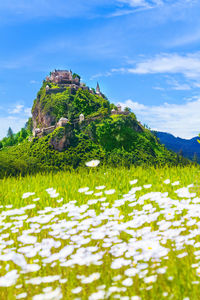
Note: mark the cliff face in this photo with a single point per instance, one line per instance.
(63, 137)
(54, 102)
(41, 118)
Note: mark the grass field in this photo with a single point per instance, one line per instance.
(101, 234)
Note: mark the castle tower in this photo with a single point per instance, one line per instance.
(98, 89)
(81, 118)
(119, 108)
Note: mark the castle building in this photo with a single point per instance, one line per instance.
(81, 118)
(63, 77)
(113, 111)
(119, 108)
(62, 122)
(98, 89)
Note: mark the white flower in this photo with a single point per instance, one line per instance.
(175, 183)
(98, 194)
(133, 181)
(101, 187)
(89, 193)
(109, 192)
(117, 278)
(26, 195)
(9, 279)
(21, 296)
(119, 262)
(127, 282)
(147, 186)
(98, 295)
(56, 294)
(185, 193)
(91, 278)
(150, 279)
(77, 290)
(83, 190)
(182, 255)
(131, 272)
(167, 181)
(161, 270)
(92, 163)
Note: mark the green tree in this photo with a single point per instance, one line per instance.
(29, 125)
(127, 109)
(76, 76)
(195, 158)
(180, 153)
(10, 133)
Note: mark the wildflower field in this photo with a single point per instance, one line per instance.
(101, 234)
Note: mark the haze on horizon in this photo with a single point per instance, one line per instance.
(145, 55)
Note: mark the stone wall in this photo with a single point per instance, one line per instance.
(55, 91)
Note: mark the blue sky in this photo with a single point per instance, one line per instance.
(145, 54)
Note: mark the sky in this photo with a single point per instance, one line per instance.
(145, 54)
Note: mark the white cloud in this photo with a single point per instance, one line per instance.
(24, 9)
(175, 85)
(33, 81)
(182, 120)
(158, 88)
(27, 111)
(190, 38)
(98, 75)
(188, 65)
(19, 109)
(131, 6)
(135, 3)
(16, 110)
(44, 8)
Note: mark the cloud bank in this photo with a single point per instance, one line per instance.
(182, 120)
(188, 65)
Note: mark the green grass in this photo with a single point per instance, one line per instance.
(117, 228)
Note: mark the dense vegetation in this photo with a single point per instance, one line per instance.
(113, 139)
(110, 140)
(69, 103)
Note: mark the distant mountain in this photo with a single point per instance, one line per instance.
(189, 148)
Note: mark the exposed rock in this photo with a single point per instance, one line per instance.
(40, 118)
(61, 138)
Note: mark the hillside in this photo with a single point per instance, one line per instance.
(189, 148)
(71, 124)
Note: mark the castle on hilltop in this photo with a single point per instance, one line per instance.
(63, 77)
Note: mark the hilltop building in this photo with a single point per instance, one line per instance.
(98, 89)
(119, 108)
(63, 77)
(62, 122)
(81, 118)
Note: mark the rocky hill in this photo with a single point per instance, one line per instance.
(72, 123)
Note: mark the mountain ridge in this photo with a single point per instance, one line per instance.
(188, 147)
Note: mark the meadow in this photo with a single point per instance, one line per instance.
(101, 233)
